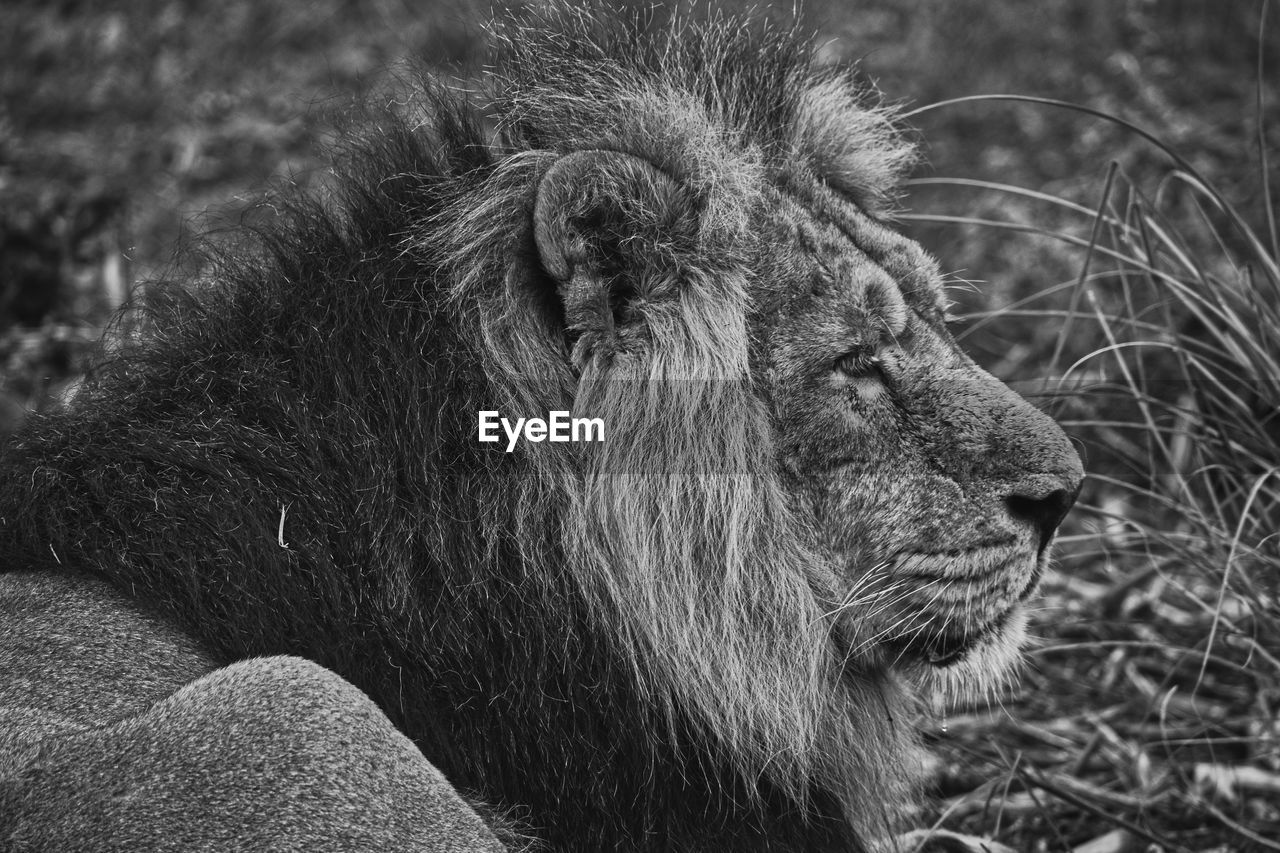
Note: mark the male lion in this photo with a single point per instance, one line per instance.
(266, 589)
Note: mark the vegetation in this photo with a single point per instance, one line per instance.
(1130, 280)
(1151, 707)
(1149, 714)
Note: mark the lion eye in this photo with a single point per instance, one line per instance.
(861, 362)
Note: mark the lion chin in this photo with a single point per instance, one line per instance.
(981, 669)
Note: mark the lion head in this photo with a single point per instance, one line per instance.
(811, 499)
(704, 632)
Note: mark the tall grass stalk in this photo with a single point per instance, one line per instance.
(1166, 369)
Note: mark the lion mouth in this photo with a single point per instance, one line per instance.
(939, 652)
(945, 648)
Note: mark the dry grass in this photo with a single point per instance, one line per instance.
(1149, 714)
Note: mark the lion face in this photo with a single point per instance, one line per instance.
(935, 489)
(928, 491)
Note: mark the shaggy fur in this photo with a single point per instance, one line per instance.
(637, 645)
(163, 751)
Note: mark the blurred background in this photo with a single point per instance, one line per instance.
(1126, 282)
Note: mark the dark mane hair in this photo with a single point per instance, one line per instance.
(628, 641)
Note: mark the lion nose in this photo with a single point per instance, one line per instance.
(1043, 508)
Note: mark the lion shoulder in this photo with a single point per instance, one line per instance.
(116, 727)
(75, 650)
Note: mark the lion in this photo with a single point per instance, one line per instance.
(264, 588)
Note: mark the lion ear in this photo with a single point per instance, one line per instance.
(606, 225)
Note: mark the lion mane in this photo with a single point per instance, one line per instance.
(630, 642)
